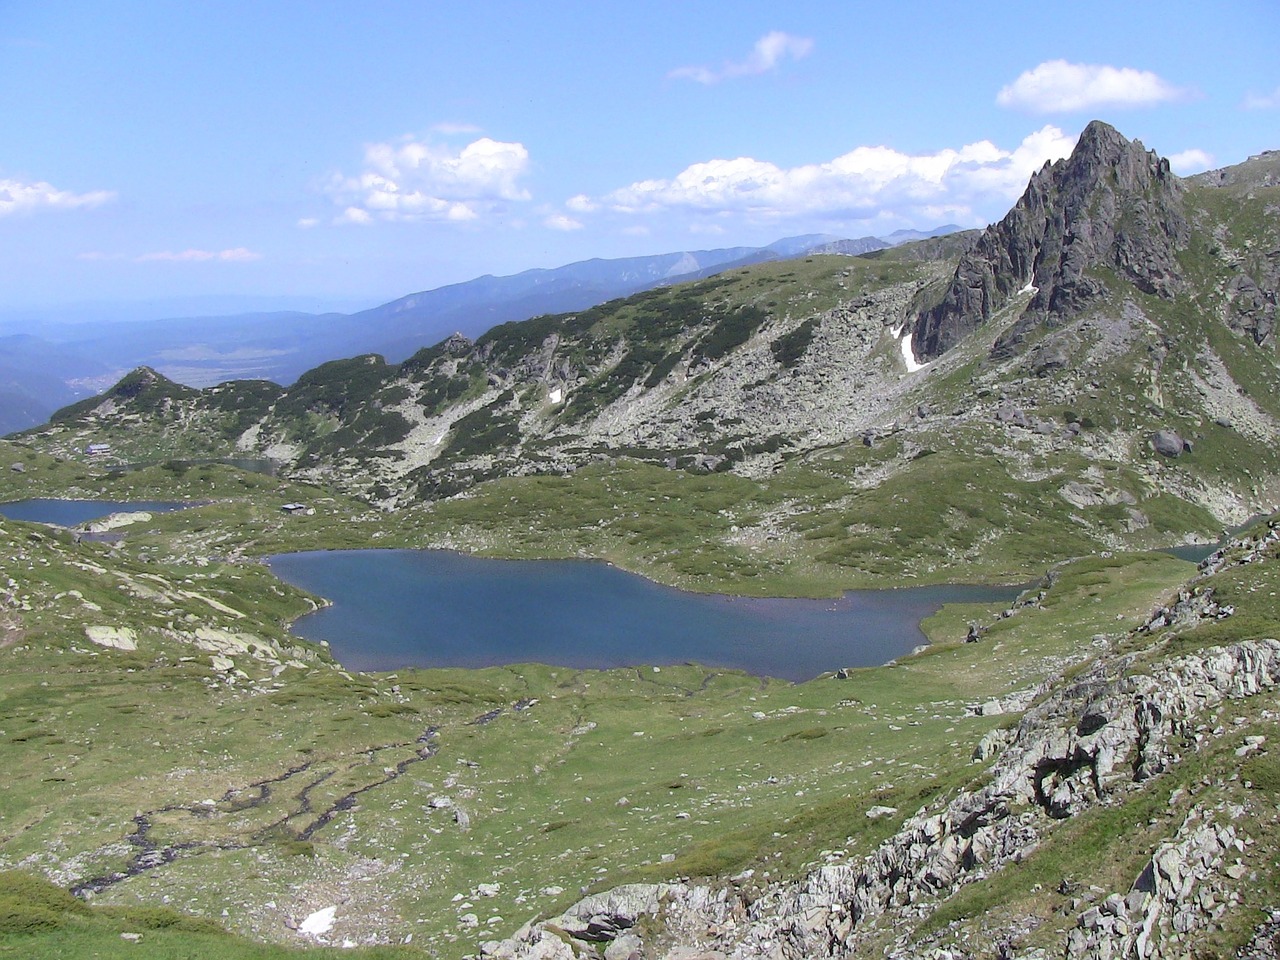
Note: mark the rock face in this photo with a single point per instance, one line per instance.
(118, 638)
(1110, 204)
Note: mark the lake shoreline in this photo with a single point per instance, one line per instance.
(652, 623)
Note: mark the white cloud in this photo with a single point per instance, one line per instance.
(558, 221)
(1191, 161)
(17, 196)
(878, 182)
(306, 223)
(1056, 86)
(412, 180)
(234, 255)
(354, 215)
(582, 204)
(768, 52)
(1262, 101)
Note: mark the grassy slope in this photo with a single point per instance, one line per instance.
(769, 775)
(541, 788)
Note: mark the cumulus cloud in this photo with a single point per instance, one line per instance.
(17, 196)
(1191, 161)
(769, 51)
(869, 182)
(234, 255)
(414, 180)
(582, 204)
(1057, 86)
(559, 221)
(1262, 101)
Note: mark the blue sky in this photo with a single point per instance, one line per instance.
(359, 152)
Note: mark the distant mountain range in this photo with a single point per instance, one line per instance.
(39, 374)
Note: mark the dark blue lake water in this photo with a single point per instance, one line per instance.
(427, 608)
(69, 513)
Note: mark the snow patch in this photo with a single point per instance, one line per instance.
(1030, 288)
(319, 922)
(908, 356)
(556, 396)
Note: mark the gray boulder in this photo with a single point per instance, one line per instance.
(1168, 443)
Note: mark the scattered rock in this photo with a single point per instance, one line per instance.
(120, 638)
(1168, 444)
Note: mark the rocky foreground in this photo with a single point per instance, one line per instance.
(1127, 726)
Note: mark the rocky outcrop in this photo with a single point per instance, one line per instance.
(1181, 891)
(1098, 736)
(1249, 307)
(1110, 204)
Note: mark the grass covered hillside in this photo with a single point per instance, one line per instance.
(1086, 772)
(221, 765)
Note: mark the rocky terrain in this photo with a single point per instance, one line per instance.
(1095, 740)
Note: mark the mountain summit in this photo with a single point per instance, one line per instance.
(1111, 204)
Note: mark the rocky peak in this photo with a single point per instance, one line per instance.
(139, 381)
(1112, 204)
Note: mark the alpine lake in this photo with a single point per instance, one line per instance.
(396, 609)
(432, 608)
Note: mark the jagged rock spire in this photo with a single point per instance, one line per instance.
(1111, 203)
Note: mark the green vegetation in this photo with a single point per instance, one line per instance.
(39, 920)
(790, 347)
(310, 774)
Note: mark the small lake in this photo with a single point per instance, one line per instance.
(426, 608)
(1192, 552)
(71, 513)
